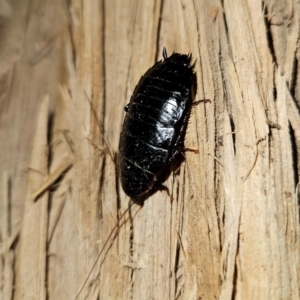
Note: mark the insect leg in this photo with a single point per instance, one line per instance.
(161, 187)
(201, 101)
(164, 53)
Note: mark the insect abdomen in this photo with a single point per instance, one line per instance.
(156, 113)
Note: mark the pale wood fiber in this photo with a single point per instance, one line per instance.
(67, 69)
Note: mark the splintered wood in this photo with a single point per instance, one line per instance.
(231, 231)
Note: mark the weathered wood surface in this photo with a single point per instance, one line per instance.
(232, 230)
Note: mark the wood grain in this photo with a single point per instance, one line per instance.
(232, 229)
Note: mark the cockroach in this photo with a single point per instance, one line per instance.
(154, 127)
(156, 118)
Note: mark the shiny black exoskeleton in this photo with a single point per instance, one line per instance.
(155, 123)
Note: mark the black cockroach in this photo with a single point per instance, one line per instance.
(155, 123)
(153, 131)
